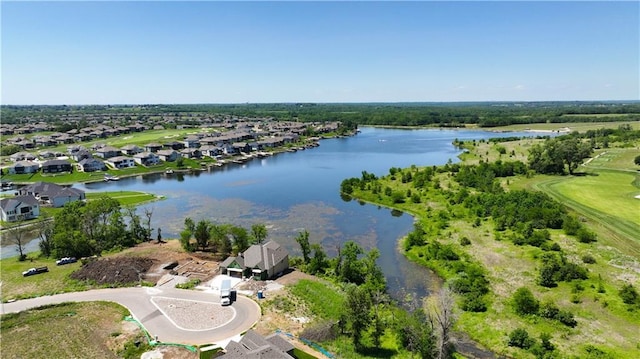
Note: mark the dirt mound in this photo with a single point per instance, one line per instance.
(116, 270)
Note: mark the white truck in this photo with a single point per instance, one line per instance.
(225, 292)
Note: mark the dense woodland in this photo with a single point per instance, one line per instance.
(484, 114)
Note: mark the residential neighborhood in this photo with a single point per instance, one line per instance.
(88, 148)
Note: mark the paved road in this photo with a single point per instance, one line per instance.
(139, 302)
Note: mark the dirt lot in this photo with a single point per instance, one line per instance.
(148, 262)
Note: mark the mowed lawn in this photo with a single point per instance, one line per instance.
(608, 192)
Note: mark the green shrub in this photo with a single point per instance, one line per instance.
(524, 302)
(566, 318)
(587, 258)
(585, 236)
(549, 310)
(473, 302)
(464, 241)
(520, 338)
(628, 294)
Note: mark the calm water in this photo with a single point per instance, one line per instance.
(291, 192)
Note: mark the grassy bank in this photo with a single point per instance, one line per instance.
(62, 331)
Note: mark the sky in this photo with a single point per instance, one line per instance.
(263, 52)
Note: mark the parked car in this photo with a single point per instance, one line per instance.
(66, 260)
(33, 271)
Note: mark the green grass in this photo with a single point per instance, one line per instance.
(299, 354)
(573, 126)
(125, 198)
(69, 330)
(607, 200)
(323, 299)
(15, 286)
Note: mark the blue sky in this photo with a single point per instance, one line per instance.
(230, 52)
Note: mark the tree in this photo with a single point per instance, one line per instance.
(44, 228)
(416, 333)
(444, 318)
(136, 230)
(637, 160)
(259, 232)
(303, 241)
(350, 268)
(17, 236)
(202, 234)
(319, 262)
(240, 238)
(373, 277)
(185, 240)
(358, 312)
(148, 213)
(524, 302)
(552, 156)
(189, 224)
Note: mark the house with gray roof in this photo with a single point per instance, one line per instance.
(261, 261)
(254, 345)
(56, 166)
(52, 194)
(19, 208)
(91, 165)
(22, 167)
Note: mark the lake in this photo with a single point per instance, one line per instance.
(292, 192)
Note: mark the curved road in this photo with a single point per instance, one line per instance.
(140, 302)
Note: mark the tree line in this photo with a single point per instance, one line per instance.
(485, 114)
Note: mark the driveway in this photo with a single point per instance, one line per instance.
(174, 315)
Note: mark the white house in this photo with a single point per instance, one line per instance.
(19, 208)
(120, 162)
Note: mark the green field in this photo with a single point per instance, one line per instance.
(63, 331)
(572, 126)
(125, 198)
(15, 286)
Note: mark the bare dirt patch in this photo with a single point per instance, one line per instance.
(148, 262)
(113, 270)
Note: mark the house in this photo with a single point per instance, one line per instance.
(24, 167)
(107, 152)
(52, 194)
(191, 142)
(146, 159)
(262, 261)
(191, 153)
(91, 165)
(130, 150)
(80, 155)
(174, 145)
(254, 345)
(242, 147)
(210, 151)
(168, 155)
(120, 162)
(22, 156)
(56, 166)
(152, 147)
(19, 208)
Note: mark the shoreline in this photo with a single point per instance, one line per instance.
(236, 159)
